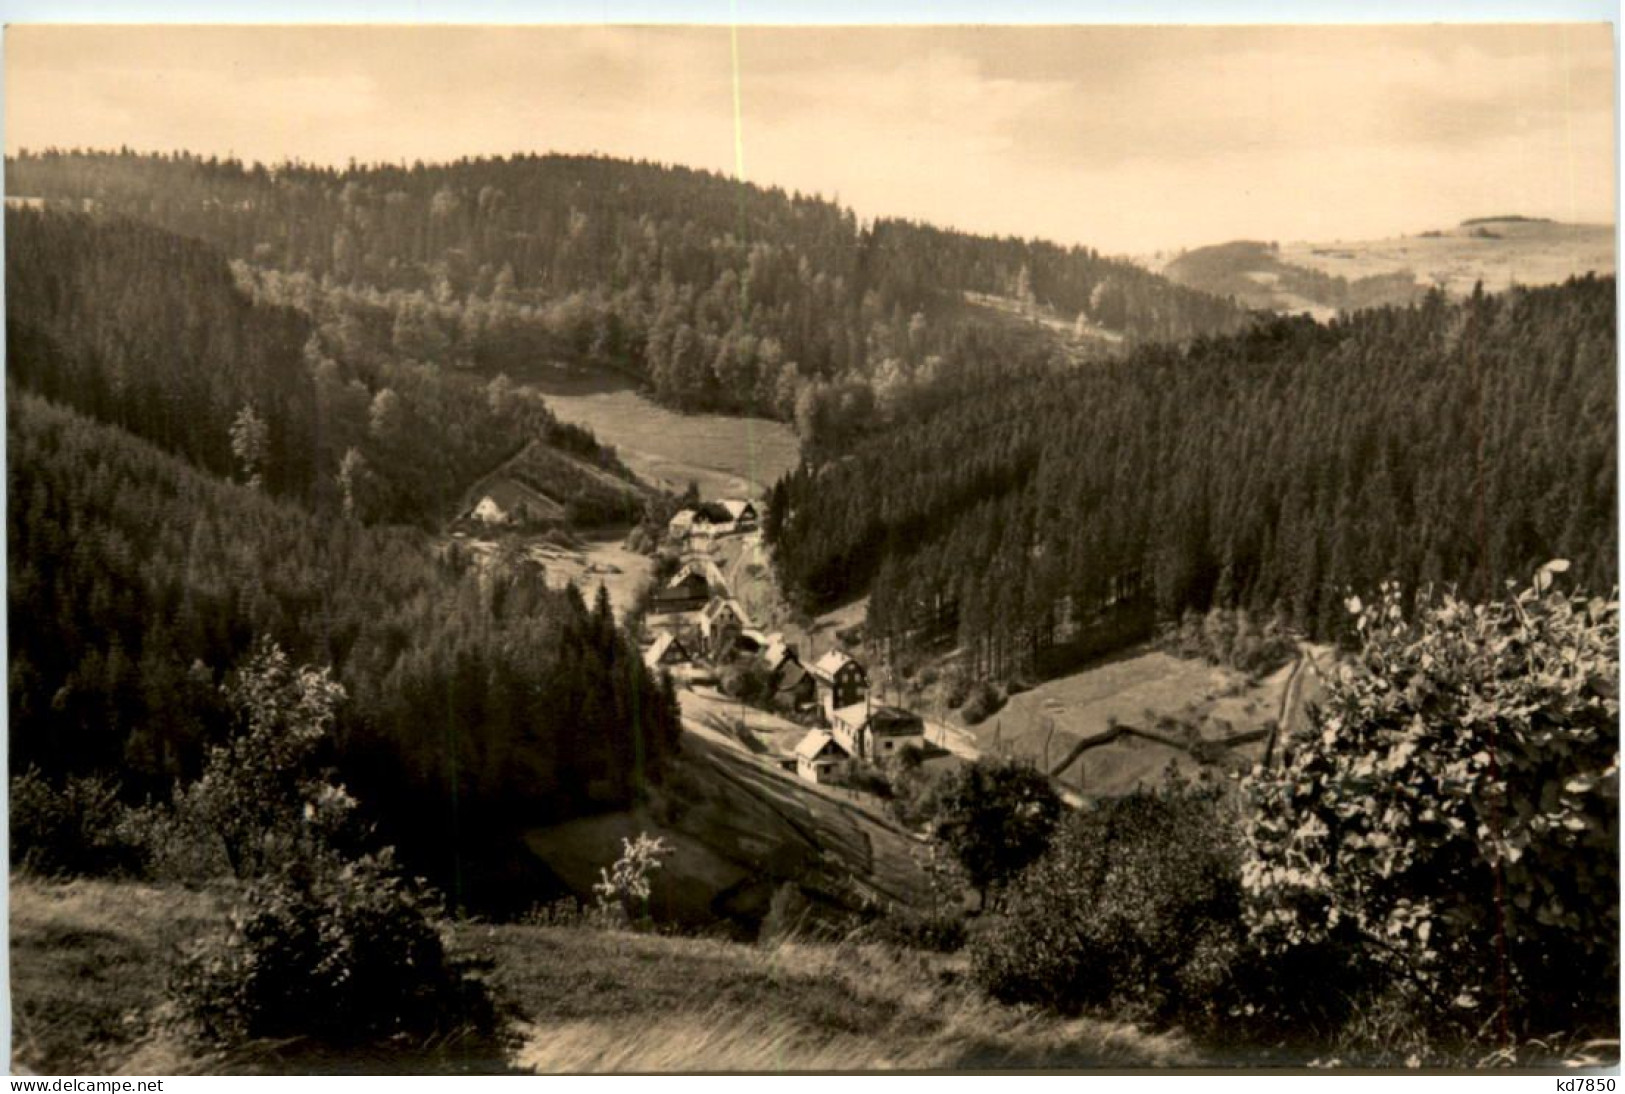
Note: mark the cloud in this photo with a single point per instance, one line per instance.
(1121, 137)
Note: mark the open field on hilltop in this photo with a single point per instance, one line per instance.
(725, 455)
(1525, 252)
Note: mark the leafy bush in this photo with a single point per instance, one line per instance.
(259, 797)
(1136, 907)
(865, 776)
(324, 943)
(74, 829)
(1452, 809)
(346, 952)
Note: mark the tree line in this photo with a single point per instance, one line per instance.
(1274, 469)
(718, 295)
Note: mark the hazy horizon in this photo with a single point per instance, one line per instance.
(1127, 139)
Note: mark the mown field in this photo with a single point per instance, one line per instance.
(725, 455)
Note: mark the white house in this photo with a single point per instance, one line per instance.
(489, 512)
(820, 757)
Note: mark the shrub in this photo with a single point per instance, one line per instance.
(865, 776)
(938, 930)
(74, 829)
(985, 700)
(346, 953)
(1452, 810)
(1136, 907)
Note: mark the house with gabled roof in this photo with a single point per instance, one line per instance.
(743, 512)
(820, 757)
(667, 650)
(721, 622)
(686, 595)
(841, 680)
(876, 732)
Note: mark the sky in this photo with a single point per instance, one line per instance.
(1128, 139)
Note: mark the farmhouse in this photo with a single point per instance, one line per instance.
(820, 758)
(874, 733)
(711, 519)
(667, 650)
(688, 594)
(841, 682)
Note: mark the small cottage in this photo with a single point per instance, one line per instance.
(793, 687)
(721, 623)
(820, 758)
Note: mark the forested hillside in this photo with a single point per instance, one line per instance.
(479, 705)
(1276, 469)
(146, 330)
(718, 295)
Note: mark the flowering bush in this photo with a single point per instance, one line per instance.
(1453, 810)
(624, 888)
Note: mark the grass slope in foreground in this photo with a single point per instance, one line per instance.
(89, 963)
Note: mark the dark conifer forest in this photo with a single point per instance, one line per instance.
(716, 295)
(148, 331)
(479, 703)
(1279, 470)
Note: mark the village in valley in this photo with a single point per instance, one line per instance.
(696, 627)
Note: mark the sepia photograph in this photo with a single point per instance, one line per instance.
(746, 547)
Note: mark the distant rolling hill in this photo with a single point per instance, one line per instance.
(1322, 279)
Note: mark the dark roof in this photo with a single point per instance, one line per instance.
(893, 720)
